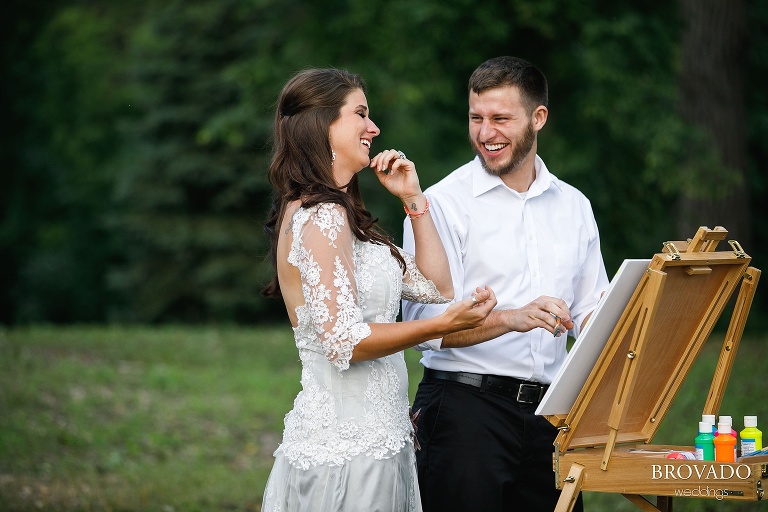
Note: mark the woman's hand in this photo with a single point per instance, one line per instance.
(399, 177)
(472, 312)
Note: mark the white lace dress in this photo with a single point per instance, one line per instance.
(347, 443)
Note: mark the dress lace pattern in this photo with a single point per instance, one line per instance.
(347, 409)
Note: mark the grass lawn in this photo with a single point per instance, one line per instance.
(186, 418)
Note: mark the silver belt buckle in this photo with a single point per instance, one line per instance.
(520, 392)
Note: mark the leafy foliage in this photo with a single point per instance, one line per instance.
(190, 189)
(139, 182)
(54, 222)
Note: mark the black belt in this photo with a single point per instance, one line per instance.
(520, 390)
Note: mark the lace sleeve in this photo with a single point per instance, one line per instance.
(416, 287)
(324, 257)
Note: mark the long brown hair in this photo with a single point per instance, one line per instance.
(301, 161)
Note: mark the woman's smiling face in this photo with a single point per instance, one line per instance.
(351, 136)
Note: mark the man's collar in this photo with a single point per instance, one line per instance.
(483, 181)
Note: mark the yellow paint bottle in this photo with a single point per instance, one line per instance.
(751, 437)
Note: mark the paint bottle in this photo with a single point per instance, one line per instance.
(729, 421)
(751, 437)
(705, 447)
(710, 418)
(725, 444)
(682, 455)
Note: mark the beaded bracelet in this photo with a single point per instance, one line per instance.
(414, 215)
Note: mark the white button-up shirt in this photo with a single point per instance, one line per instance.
(542, 242)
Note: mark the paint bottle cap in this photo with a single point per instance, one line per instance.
(705, 427)
(726, 419)
(682, 455)
(723, 428)
(750, 421)
(709, 418)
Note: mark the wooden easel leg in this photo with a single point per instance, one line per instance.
(663, 503)
(571, 488)
(641, 503)
(741, 309)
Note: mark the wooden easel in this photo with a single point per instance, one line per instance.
(603, 440)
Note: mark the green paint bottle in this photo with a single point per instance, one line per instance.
(705, 447)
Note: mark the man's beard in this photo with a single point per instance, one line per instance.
(519, 153)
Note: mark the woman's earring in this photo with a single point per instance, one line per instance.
(333, 156)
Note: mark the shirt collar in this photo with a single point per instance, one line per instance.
(482, 181)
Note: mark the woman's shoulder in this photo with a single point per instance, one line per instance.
(322, 214)
(330, 219)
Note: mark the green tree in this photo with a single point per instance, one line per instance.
(20, 179)
(192, 184)
(141, 133)
(713, 101)
(65, 96)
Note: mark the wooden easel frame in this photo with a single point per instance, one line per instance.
(644, 331)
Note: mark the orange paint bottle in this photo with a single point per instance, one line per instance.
(725, 444)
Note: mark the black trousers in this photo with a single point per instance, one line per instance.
(482, 451)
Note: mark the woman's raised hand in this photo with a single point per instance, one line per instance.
(397, 174)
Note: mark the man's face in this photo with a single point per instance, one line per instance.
(501, 130)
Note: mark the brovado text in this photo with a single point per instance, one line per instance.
(701, 472)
